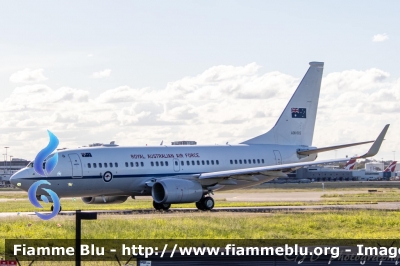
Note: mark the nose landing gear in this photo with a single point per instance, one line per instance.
(52, 208)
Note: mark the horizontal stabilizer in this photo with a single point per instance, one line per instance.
(331, 148)
(279, 167)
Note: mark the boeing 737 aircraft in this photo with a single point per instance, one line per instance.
(184, 174)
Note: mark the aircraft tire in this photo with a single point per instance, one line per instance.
(199, 205)
(165, 206)
(161, 206)
(156, 205)
(208, 203)
(52, 208)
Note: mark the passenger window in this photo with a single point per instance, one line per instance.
(94, 165)
(162, 163)
(182, 163)
(254, 161)
(187, 163)
(231, 161)
(249, 161)
(217, 162)
(89, 166)
(126, 164)
(198, 162)
(258, 160)
(156, 163)
(212, 162)
(111, 165)
(137, 164)
(240, 161)
(131, 164)
(141, 163)
(192, 162)
(235, 161)
(176, 163)
(152, 164)
(116, 164)
(245, 161)
(166, 163)
(208, 162)
(262, 160)
(202, 162)
(100, 165)
(105, 164)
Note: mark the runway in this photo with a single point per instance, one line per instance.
(259, 196)
(391, 206)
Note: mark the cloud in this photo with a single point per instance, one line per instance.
(101, 74)
(223, 103)
(90, 55)
(28, 76)
(380, 37)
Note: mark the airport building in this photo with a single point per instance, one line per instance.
(321, 174)
(7, 168)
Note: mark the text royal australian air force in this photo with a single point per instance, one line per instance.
(165, 155)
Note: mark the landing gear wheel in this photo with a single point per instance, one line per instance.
(161, 206)
(52, 208)
(208, 203)
(199, 205)
(205, 204)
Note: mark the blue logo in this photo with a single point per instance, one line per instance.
(54, 198)
(38, 165)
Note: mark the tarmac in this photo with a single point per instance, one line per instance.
(307, 196)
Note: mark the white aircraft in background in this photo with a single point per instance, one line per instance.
(184, 174)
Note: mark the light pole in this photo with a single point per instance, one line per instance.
(10, 163)
(5, 163)
(4, 157)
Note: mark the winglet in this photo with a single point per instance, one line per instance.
(377, 144)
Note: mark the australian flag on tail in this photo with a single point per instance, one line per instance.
(299, 113)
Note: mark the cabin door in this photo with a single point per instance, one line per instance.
(76, 165)
(278, 157)
(177, 166)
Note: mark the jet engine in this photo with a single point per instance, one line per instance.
(175, 190)
(104, 200)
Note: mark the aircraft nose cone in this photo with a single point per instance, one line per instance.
(16, 178)
(13, 179)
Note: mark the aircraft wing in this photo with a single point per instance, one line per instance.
(268, 170)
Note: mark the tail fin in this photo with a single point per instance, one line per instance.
(391, 167)
(350, 164)
(296, 124)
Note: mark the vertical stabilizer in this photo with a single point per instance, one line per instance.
(391, 167)
(350, 164)
(296, 124)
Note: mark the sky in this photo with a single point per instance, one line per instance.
(142, 72)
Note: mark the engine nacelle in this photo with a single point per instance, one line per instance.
(104, 200)
(175, 190)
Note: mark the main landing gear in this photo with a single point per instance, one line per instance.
(205, 204)
(52, 208)
(161, 206)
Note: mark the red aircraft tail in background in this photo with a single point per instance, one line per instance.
(391, 167)
(350, 164)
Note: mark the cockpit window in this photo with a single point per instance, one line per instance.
(30, 165)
